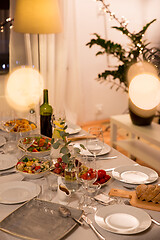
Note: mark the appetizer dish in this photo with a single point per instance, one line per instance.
(20, 125)
(59, 167)
(103, 177)
(35, 144)
(32, 167)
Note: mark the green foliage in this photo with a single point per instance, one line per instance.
(137, 51)
(68, 153)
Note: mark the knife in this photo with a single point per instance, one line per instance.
(104, 158)
(7, 173)
(89, 222)
(80, 138)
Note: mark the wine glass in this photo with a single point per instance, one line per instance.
(8, 122)
(24, 138)
(95, 143)
(87, 175)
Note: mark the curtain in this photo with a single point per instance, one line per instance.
(58, 60)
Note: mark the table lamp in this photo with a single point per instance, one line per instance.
(144, 94)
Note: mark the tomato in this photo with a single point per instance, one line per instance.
(84, 176)
(63, 165)
(93, 175)
(57, 170)
(101, 173)
(57, 165)
(41, 142)
(37, 167)
(101, 181)
(59, 160)
(34, 150)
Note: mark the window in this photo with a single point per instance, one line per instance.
(4, 37)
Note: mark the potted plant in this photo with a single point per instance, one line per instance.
(138, 50)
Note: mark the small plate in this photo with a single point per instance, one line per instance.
(18, 192)
(122, 219)
(2, 141)
(85, 152)
(7, 161)
(72, 128)
(135, 174)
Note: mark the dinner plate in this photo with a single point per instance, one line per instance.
(7, 161)
(135, 174)
(122, 219)
(85, 152)
(2, 141)
(18, 192)
(73, 128)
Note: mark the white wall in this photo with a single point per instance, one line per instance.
(89, 20)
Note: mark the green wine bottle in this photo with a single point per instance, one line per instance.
(46, 111)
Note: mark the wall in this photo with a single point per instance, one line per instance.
(99, 101)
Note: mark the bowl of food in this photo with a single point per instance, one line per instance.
(37, 145)
(33, 168)
(18, 125)
(103, 178)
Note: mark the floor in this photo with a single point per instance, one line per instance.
(105, 125)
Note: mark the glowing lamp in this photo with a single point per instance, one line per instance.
(144, 97)
(24, 88)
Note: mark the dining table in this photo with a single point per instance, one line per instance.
(84, 231)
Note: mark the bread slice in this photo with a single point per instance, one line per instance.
(145, 193)
(153, 193)
(156, 199)
(140, 189)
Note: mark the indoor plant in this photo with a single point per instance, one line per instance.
(137, 50)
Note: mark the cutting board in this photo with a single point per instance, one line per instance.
(134, 201)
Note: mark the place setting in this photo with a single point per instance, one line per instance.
(94, 145)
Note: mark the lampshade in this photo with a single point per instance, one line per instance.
(37, 16)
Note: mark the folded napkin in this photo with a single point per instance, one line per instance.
(103, 198)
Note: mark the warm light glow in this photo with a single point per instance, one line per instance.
(141, 68)
(144, 91)
(37, 16)
(24, 88)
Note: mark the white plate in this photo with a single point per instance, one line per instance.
(122, 219)
(135, 174)
(2, 141)
(72, 128)
(85, 152)
(7, 161)
(12, 177)
(18, 192)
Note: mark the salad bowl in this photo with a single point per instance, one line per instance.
(33, 168)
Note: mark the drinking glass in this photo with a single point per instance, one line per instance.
(24, 138)
(96, 143)
(87, 175)
(8, 123)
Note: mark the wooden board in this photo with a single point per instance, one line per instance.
(134, 201)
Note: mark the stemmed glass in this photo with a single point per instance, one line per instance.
(8, 123)
(96, 143)
(24, 138)
(87, 175)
